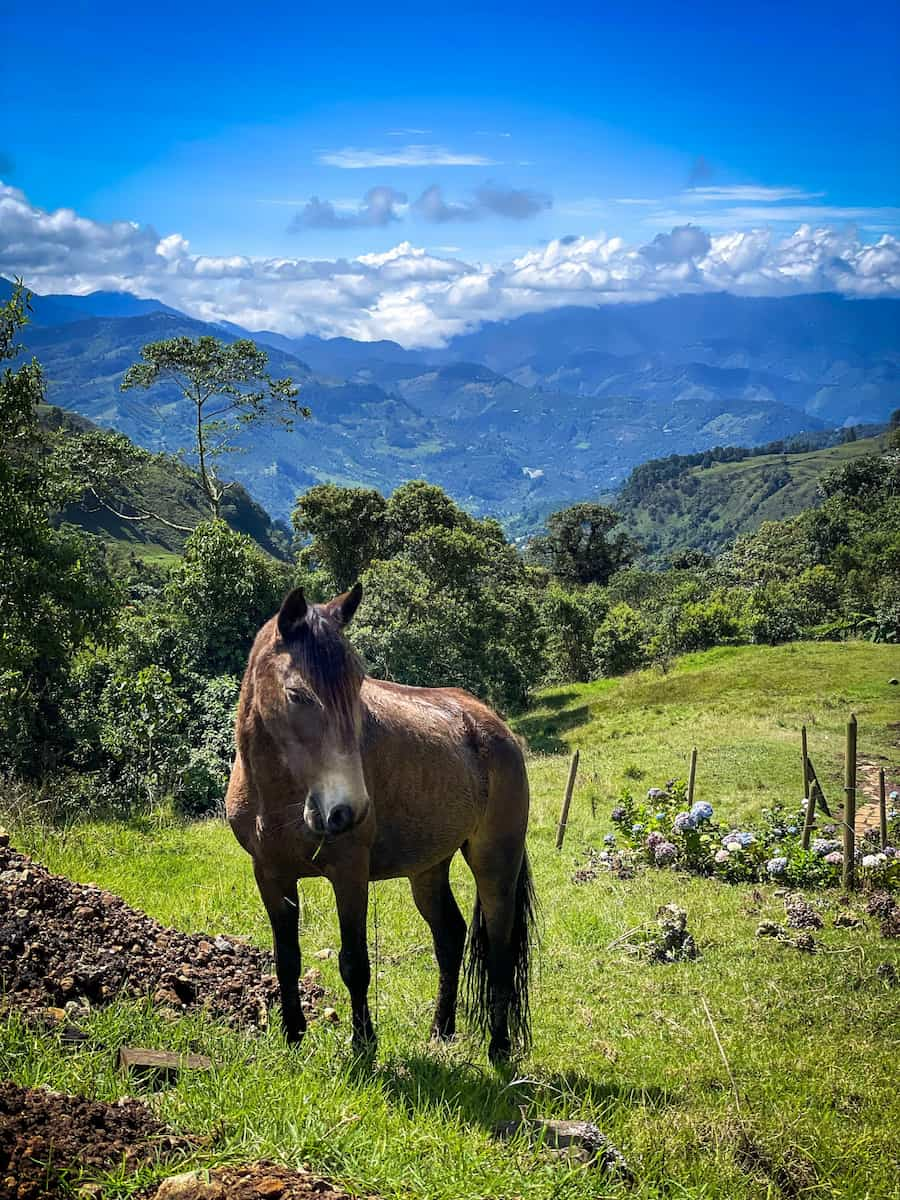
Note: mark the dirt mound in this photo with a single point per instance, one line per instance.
(260, 1181)
(64, 942)
(50, 1141)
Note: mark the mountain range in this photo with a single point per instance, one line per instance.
(515, 419)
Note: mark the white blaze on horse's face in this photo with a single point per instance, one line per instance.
(321, 680)
(338, 800)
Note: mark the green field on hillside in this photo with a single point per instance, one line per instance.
(705, 508)
(754, 1071)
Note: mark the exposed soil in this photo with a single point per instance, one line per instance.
(258, 1181)
(49, 1141)
(54, 1145)
(63, 942)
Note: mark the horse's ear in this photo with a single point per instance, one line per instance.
(292, 614)
(343, 607)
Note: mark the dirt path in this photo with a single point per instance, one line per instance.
(867, 813)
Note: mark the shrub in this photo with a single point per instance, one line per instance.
(620, 643)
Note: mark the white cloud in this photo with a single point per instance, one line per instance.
(351, 158)
(751, 193)
(421, 298)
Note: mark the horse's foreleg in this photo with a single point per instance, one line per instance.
(351, 892)
(279, 895)
(435, 901)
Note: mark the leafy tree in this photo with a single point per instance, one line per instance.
(55, 591)
(229, 389)
(578, 548)
(221, 592)
(345, 527)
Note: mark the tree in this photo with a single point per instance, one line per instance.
(55, 591)
(346, 528)
(229, 389)
(577, 547)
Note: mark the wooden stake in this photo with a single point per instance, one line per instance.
(882, 808)
(814, 779)
(849, 874)
(809, 819)
(692, 775)
(161, 1063)
(567, 800)
(804, 752)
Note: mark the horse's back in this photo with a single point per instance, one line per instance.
(441, 765)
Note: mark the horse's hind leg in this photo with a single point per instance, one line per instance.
(491, 944)
(435, 901)
(279, 895)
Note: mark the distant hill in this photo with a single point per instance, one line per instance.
(170, 489)
(671, 505)
(519, 418)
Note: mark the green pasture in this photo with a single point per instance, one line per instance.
(754, 1071)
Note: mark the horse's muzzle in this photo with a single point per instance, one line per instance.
(333, 821)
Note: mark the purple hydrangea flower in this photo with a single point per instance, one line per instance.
(824, 846)
(683, 821)
(609, 839)
(834, 858)
(654, 839)
(618, 814)
(890, 851)
(702, 810)
(743, 839)
(777, 866)
(664, 853)
(722, 856)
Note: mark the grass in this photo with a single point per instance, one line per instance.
(796, 1097)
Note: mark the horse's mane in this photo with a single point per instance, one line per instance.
(330, 666)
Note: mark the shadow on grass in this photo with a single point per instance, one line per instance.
(543, 732)
(479, 1095)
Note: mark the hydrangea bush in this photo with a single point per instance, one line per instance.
(663, 831)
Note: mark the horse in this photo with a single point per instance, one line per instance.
(357, 779)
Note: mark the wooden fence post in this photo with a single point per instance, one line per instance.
(567, 800)
(882, 808)
(814, 783)
(805, 752)
(809, 818)
(849, 873)
(692, 775)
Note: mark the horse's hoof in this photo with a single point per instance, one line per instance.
(500, 1053)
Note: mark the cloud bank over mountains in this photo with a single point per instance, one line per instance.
(420, 298)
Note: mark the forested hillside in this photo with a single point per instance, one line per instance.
(676, 504)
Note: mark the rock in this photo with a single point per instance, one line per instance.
(893, 682)
(269, 1186)
(323, 954)
(846, 921)
(578, 1141)
(331, 1016)
(189, 1186)
(4, 836)
(769, 929)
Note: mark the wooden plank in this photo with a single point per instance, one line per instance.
(138, 1060)
(814, 779)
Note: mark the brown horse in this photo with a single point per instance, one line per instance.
(356, 779)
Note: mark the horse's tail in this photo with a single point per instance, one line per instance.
(479, 993)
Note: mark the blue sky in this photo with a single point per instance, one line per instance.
(486, 132)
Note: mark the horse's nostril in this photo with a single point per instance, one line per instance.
(340, 818)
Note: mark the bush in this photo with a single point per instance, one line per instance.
(620, 643)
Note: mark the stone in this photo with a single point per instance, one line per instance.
(189, 1186)
(331, 1016)
(269, 1185)
(323, 954)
